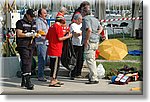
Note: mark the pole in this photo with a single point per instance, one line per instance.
(34, 4)
(135, 13)
(41, 4)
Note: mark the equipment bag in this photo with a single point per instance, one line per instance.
(68, 58)
(122, 79)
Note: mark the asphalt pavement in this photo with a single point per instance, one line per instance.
(11, 86)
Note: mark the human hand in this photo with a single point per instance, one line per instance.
(86, 43)
(35, 34)
(69, 35)
(41, 32)
(38, 35)
(103, 37)
(80, 34)
(29, 34)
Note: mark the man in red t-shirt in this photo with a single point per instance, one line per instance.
(55, 46)
(55, 37)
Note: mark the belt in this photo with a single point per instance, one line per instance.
(40, 43)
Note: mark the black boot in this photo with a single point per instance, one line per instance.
(28, 84)
(23, 81)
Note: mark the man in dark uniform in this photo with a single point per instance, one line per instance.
(25, 33)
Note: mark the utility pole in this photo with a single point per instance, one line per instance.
(135, 13)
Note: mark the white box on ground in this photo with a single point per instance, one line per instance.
(10, 66)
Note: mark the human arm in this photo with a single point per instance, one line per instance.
(60, 34)
(19, 29)
(88, 33)
(75, 34)
(69, 35)
(21, 34)
(101, 32)
(100, 29)
(41, 29)
(86, 27)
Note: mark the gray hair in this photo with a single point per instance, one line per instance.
(77, 16)
(63, 9)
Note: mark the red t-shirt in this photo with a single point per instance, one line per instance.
(65, 29)
(55, 46)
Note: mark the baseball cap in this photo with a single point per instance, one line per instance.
(31, 12)
(60, 17)
(76, 16)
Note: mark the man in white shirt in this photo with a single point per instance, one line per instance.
(75, 29)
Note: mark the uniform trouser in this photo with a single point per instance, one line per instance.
(41, 51)
(54, 66)
(79, 55)
(91, 62)
(26, 59)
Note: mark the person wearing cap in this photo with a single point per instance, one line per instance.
(55, 38)
(25, 32)
(41, 25)
(61, 14)
(75, 29)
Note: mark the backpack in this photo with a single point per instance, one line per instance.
(125, 75)
(122, 79)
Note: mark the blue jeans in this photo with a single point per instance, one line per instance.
(41, 51)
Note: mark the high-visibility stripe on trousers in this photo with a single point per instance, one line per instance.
(54, 66)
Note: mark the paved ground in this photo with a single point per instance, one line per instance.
(133, 61)
(77, 86)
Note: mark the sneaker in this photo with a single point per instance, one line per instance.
(71, 78)
(48, 77)
(42, 79)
